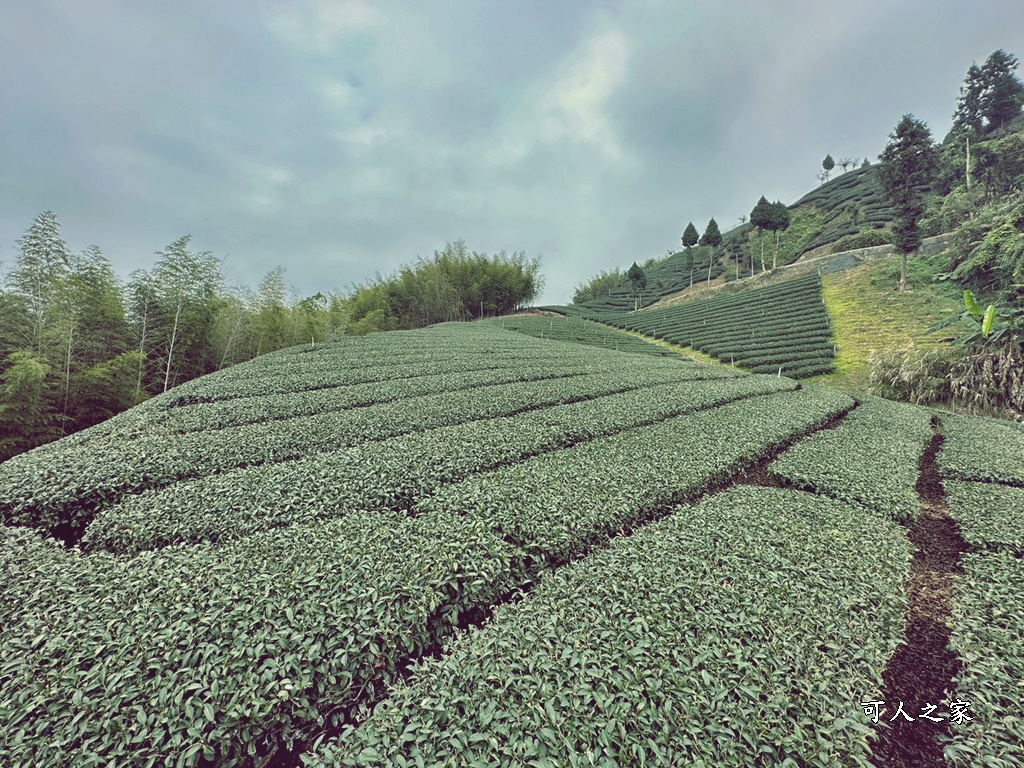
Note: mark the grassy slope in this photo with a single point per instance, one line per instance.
(690, 352)
(868, 314)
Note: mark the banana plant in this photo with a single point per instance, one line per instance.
(992, 324)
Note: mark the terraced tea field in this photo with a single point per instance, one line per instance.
(470, 546)
(781, 328)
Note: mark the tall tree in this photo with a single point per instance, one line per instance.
(42, 266)
(908, 162)
(970, 114)
(991, 96)
(90, 329)
(762, 218)
(599, 285)
(187, 286)
(777, 221)
(26, 415)
(1004, 93)
(271, 320)
(711, 238)
(141, 311)
(690, 239)
(639, 280)
(827, 165)
(231, 335)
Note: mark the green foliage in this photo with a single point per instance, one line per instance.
(958, 207)
(987, 639)
(990, 515)
(919, 376)
(42, 266)
(186, 288)
(72, 313)
(1003, 95)
(969, 116)
(582, 331)
(987, 252)
(400, 472)
(908, 162)
(25, 415)
(740, 631)
(239, 641)
(216, 655)
(866, 239)
(667, 276)
(982, 449)
(982, 374)
(690, 237)
(847, 205)
(107, 389)
(153, 447)
(985, 379)
(175, 322)
(782, 326)
(761, 215)
(987, 614)
(599, 285)
(453, 285)
(90, 477)
(638, 279)
(994, 325)
(559, 506)
(990, 97)
(999, 165)
(712, 235)
(870, 459)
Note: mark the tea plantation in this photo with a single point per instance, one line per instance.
(782, 327)
(469, 545)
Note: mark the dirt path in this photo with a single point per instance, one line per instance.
(921, 672)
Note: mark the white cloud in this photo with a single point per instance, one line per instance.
(338, 93)
(576, 104)
(319, 24)
(569, 106)
(363, 135)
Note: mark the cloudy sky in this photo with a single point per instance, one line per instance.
(341, 138)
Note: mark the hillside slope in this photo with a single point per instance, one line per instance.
(869, 316)
(845, 206)
(278, 544)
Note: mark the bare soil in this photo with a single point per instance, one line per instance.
(922, 671)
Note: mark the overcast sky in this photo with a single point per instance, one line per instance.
(340, 138)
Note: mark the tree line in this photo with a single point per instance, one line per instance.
(78, 344)
(455, 284)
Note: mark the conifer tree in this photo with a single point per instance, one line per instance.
(908, 162)
(690, 239)
(827, 165)
(639, 280)
(711, 238)
(761, 217)
(777, 221)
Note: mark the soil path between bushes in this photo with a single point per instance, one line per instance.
(921, 672)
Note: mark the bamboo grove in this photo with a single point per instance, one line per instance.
(78, 344)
